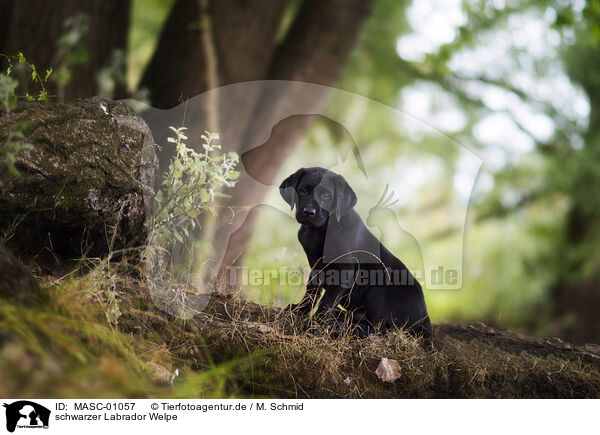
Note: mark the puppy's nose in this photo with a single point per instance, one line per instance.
(309, 211)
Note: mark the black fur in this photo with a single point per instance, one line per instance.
(330, 228)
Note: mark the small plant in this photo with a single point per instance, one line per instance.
(10, 148)
(8, 84)
(7, 91)
(105, 277)
(190, 187)
(8, 99)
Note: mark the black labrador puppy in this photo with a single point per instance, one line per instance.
(373, 287)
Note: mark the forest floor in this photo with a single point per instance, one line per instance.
(100, 335)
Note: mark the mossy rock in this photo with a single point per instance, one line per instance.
(81, 186)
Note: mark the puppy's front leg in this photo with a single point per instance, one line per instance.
(307, 303)
(330, 300)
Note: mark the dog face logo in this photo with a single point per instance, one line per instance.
(26, 414)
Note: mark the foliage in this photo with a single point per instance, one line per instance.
(375, 69)
(13, 144)
(8, 85)
(190, 187)
(8, 98)
(7, 91)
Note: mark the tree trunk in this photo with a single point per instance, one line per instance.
(242, 34)
(576, 294)
(35, 34)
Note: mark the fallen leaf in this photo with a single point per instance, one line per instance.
(388, 370)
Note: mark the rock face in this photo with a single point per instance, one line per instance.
(81, 186)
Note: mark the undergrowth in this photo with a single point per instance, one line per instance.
(99, 335)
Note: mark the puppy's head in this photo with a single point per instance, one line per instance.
(317, 194)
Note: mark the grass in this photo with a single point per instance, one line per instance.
(99, 335)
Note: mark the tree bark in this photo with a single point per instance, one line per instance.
(33, 27)
(243, 34)
(576, 294)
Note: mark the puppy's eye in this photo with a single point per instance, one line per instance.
(303, 190)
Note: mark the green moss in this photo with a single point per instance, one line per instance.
(69, 348)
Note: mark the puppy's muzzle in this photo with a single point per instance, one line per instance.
(309, 212)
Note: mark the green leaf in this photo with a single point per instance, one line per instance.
(204, 196)
(178, 236)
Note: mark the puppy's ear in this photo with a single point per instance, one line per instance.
(345, 198)
(287, 189)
